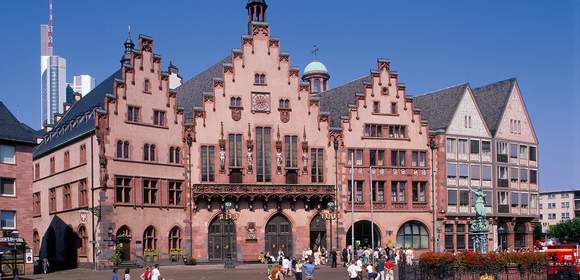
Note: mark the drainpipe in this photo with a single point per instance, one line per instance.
(190, 221)
(94, 243)
(336, 191)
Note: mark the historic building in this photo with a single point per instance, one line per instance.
(245, 157)
(16, 143)
(466, 125)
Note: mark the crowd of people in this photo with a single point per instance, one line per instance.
(374, 264)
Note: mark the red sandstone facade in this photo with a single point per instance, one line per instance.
(156, 166)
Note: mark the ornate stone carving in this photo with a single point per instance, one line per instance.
(251, 231)
(250, 151)
(222, 143)
(236, 113)
(278, 153)
(284, 115)
(261, 102)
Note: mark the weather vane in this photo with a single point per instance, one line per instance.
(315, 51)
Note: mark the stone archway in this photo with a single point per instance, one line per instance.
(124, 238)
(317, 233)
(362, 234)
(278, 235)
(221, 240)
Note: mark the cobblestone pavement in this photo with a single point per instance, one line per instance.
(201, 272)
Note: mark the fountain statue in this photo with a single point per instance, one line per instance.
(479, 228)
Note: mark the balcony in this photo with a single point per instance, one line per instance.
(502, 158)
(502, 183)
(503, 209)
(266, 192)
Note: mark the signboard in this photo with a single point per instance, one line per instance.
(28, 255)
(11, 240)
(84, 216)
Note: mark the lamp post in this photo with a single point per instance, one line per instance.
(335, 144)
(330, 214)
(189, 141)
(228, 217)
(433, 146)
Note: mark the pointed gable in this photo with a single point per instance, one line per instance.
(13, 130)
(492, 100)
(438, 108)
(468, 119)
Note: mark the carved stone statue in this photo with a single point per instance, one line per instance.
(479, 227)
(305, 161)
(222, 159)
(250, 159)
(251, 231)
(279, 161)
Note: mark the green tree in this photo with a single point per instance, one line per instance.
(538, 234)
(566, 230)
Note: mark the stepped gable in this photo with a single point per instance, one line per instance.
(337, 100)
(13, 130)
(492, 100)
(79, 119)
(190, 93)
(438, 107)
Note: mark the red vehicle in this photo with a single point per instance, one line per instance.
(563, 257)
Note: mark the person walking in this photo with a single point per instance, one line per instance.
(298, 270)
(371, 274)
(114, 276)
(45, 265)
(308, 270)
(155, 273)
(390, 270)
(381, 268)
(146, 274)
(344, 257)
(333, 258)
(353, 271)
(286, 266)
(127, 274)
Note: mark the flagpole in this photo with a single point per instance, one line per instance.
(372, 217)
(352, 200)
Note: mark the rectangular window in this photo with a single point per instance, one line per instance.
(533, 176)
(397, 131)
(377, 157)
(66, 197)
(317, 171)
(36, 171)
(66, 160)
(474, 147)
(533, 153)
(502, 172)
(450, 146)
(502, 148)
(486, 173)
(133, 114)
(398, 189)
(449, 240)
(462, 146)
(291, 151)
(523, 152)
(358, 156)
(485, 148)
(207, 163)
(502, 198)
(398, 158)
(474, 170)
(263, 146)
(463, 198)
(463, 171)
(7, 154)
(83, 194)
(394, 110)
(358, 192)
(460, 237)
(513, 151)
(487, 198)
(7, 187)
(515, 199)
(376, 107)
(235, 149)
(534, 200)
(123, 190)
(83, 154)
(36, 203)
(523, 175)
(514, 174)
(451, 170)
(419, 159)
(174, 193)
(452, 197)
(52, 200)
(379, 191)
(524, 200)
(419, 189)
(7, 219)
(52, 166)
(149, 191)
(159, 118)
(373, 130)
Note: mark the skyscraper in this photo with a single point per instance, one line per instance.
(52, 74)
(83, 84)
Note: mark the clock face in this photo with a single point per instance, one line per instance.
(260, 102)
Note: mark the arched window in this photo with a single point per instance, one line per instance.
(84, 241)
(146, 152)
(152, 153)
(413, 235)
(177, 155)
(119, 149)
(171, 154)
(147, 86)
(236, 102)
(36, 243)
(316, 86)
(174, 239)
(126, 149)
(149, 239)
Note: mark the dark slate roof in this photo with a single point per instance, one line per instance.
(13, 130)
(492, 100)
(337, 100)
(438, 107)
(190, 93)
(79, 120)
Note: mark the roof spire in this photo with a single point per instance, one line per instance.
(314, 52)
(129, 45)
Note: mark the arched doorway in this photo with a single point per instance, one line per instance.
(362, 234)
(221, 239)
(413, 235)
(502, 236)
(124, 241)
(71, 243)
(317, 233)
(50, 244)
(279, 235)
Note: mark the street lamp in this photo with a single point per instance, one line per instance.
(330, 214)
(189, 141)
(228, 217)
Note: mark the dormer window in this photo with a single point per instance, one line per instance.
(260, 79)
(147, 86)
(284, 104)
(236, 102)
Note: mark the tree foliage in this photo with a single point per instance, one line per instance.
(567, 230)
(538, 234)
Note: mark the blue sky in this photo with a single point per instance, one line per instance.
(432, 44)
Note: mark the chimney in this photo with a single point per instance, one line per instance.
(47, 127)
(56, 118)
(77, 96)
(65, 107)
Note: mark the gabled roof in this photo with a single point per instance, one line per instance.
(492, 100)
(190, 93)
(13, 130)
(438, 108)
(79, 120)
(337, 100)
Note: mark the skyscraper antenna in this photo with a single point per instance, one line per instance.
(50, 23)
